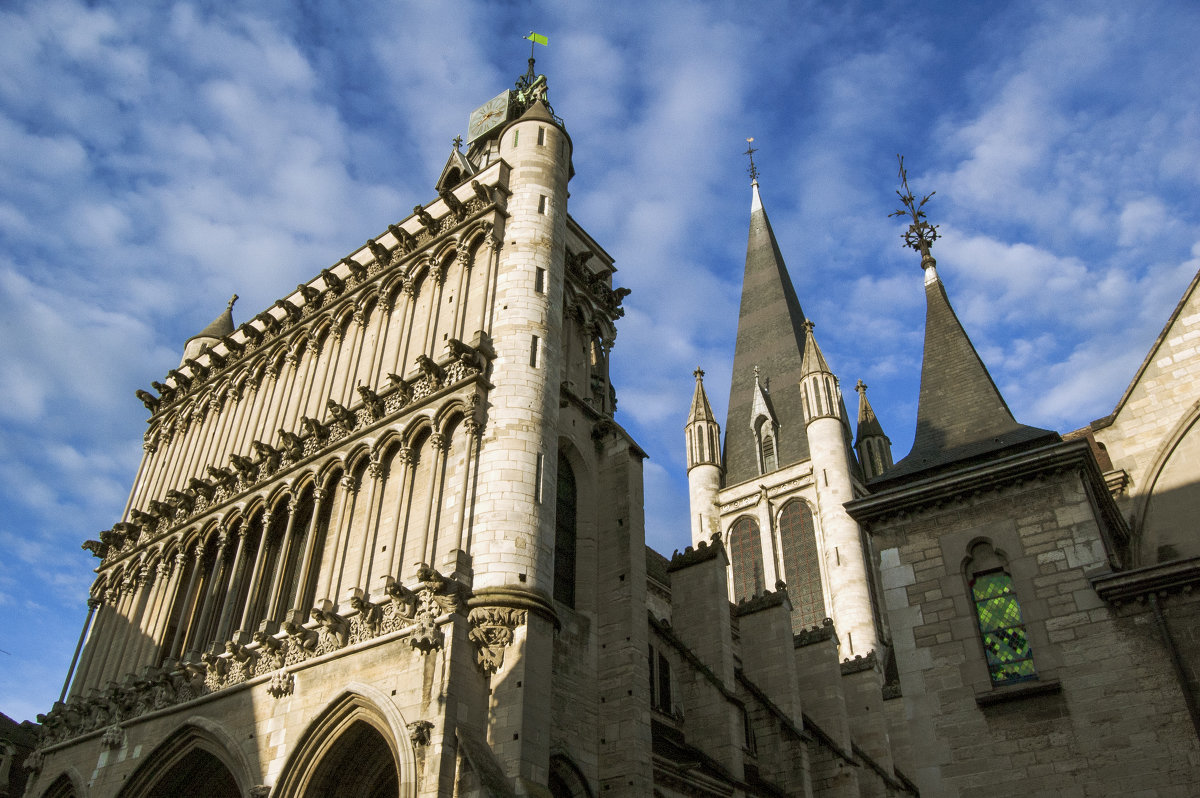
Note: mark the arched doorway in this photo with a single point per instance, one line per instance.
(198, 759)
(359, 764)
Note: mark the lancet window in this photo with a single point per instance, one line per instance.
(745, 551)
(998, 612)
(801, 564)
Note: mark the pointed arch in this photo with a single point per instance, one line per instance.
(199, 758)
(801, 564)
(360, 715)
(746, 558)
(566, 779)
(69, 784)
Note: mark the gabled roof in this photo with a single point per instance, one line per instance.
(456, 170)
(770, 337)
(961, 415)
(1151, 356)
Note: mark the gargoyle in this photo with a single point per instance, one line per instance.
(403, 237)
(252, 333)
(291, 444)
(222, 476)
(355, 268)
(333, 281)
(482, 192)
(268, 321)
(148, 399)
(143, 518)
(463, 352)
(314, 428)
(199, 370)
(181, 380)
(268, 454)
(427, 221)
(404, 601)
(379, 252)
(202, 487)
(309, 293)
(333, 632)
(162, 509)
(214, 360)
(238, 651)
(98, 549)
(341, 414)
(167, 393)
(291, 311)
(236, 347)
(372, 401)
(402, 386)
(452, 203)
(245, 466)
(430, 370)
(183, 501)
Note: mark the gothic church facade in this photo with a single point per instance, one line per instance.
(387, 540)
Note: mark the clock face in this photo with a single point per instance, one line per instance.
(488, 116)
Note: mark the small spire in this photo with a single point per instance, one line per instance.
(813, 361)
(920, 235)
(868, 422)
(701, 410)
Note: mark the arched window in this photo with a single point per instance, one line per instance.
(764, 432)
(801, 565)
(745, 550)
(564, 534)
(998, 612)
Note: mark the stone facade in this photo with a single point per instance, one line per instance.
(387, 539)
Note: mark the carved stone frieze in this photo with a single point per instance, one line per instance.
(492, 631)
(282, 683)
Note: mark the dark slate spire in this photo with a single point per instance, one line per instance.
(770, 337)
(961, 415)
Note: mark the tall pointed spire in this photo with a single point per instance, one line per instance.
(960, 413)
(770, 337)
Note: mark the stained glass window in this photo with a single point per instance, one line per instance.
(1005, 640)
(802, 569)
(745, 550)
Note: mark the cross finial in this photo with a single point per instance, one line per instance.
(920, 235)
(750, 150)
(756, 373)
(808, 326)
(861, 387)
(457, 143)
(698, 374)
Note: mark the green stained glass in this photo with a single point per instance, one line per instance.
(1002, 628)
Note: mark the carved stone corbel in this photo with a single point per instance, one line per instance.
(282, 683)
(492, 632)
(420, 733)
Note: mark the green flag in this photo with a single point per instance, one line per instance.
(538, 38)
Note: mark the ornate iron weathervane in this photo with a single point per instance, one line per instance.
(750, 150)
(920, 235)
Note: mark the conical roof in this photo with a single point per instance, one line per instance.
(770, 338)
(814, 361)
(868, 422)
(221, 326)
(960, 414)
(701, 411)
(538, 111)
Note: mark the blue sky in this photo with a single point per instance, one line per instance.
(157, 157)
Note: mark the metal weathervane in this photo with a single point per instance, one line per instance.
(750, 150)
(920, 235)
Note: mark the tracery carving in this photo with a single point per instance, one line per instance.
(491, 632)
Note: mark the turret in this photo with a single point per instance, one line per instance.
(873, 447)
(703, 439)
(513, 534)
(845, 563)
